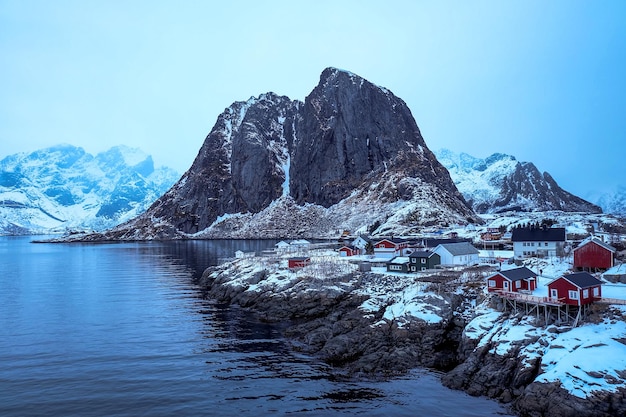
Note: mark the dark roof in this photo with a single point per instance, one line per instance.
(553, 234)
(300, 258)
(597, 242)
(433, 243)
(462, 248)
(582, 279)
(351, 247)
(421, 254)
(518, 274)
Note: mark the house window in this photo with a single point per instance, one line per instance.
(413, 260)
(423, 260)
(585, 294)
(396, 267)
(492, 283)
(596, 292)
(518, 284)
(573, 295)
(545, 244)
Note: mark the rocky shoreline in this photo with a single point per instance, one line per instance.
(342, 316)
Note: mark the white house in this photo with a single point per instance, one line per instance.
(538, 242)
(463, 253)
(282, 247)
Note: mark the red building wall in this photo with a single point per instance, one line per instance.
(592, 255)
(499, 280)
(299, 262)
(563, 287)
(348, 251)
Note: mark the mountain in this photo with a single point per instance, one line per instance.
(613, 202)
(350, 157)
(64, 188)
(500, 183)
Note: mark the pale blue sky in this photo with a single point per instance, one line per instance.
(544, 81)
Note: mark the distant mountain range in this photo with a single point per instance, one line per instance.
(350, 157)
(64, 188)
(501, 183)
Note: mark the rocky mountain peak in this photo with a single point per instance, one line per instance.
(307, 165)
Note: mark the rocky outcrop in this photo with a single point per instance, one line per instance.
(349, 137)
(325, 319)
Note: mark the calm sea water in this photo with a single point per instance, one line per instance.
(121, 330)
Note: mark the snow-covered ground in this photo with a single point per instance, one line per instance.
(588, 358)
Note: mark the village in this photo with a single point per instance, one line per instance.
(534, 270)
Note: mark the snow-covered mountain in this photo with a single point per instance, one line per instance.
(613, 202)
(350, 157)
(64, 188)
(501, 183)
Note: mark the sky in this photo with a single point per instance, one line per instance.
(544, 81)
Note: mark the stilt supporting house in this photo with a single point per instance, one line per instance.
(543, 308)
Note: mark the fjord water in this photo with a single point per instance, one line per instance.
(121, 330)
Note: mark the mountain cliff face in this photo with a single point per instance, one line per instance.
(349, 157)
(500, 183)
(63, 187)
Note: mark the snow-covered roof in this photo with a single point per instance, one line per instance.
(399, 260)
(593, 239)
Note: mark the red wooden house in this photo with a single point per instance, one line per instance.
(579, 288)
(593, 254)
(512, 280)
(349, 251)
(299, 262)
(390, 247)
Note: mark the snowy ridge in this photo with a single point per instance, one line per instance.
(613, 202)
(64, 188)
(500, 183)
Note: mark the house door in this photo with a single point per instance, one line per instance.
(554, 293)
(505, 285)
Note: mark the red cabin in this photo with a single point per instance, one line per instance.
(512, 280)
(390, 247)
(349, 251)
(593, 254)
(299, 262)
(579, 288)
